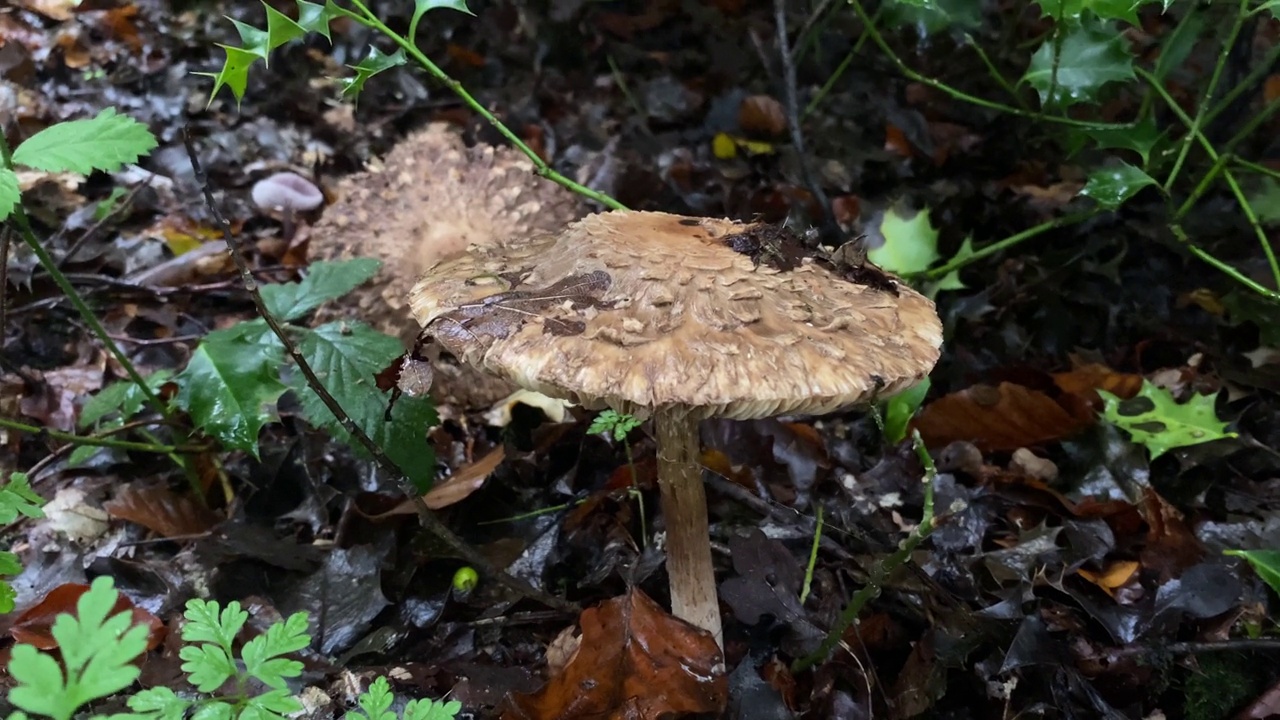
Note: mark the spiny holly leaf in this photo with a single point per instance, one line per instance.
(1071, 10)
(1165, 424)
(104, 143)
(231, 384)
(347, 357)
(10, 193)
(324, 281)
(374, 63)
(422, 7)
(1139, 137)
(256, 44)
(951, 281)
(1112, 186)
(124, 397)
(910, 243)
(1094, 53)
(1265, 562)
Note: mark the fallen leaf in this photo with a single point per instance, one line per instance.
(161, 510)
(634, 662)
(1004, 417)
(762, 115)
(1115, 575)
(33, 627)
(466, 480)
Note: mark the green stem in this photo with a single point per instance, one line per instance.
(995, 73)
(839, 71)
(959, 94)
(635, 486)
(1002, 245)
(1194, 127)
(1227, 175)
(1255, 167)
(88, 439)
(540, 165)
(882, 570)
(813, 558)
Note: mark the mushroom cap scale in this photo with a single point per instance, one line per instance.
(643, 310)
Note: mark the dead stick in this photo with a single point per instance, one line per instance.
(428, 521)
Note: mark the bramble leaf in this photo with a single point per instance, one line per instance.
(232, 382)
(1164, 424)
(346, 356)
(105, 142)
(1093, 53)
(324, 281)
(1112, 186)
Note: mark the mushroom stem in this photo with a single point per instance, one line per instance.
(684, 507)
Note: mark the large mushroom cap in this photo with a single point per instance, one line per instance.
(639, 310)
(431, 197)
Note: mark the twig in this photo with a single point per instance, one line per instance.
(124, 203)
(5, 234)
(880, 571)
(384, 463)
(831, 231)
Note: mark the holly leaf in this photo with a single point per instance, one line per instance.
(10, 193)
(1071, 10)
(910, 243)
(422, 7)
(256, 44)
(347, 357)
(374, 63)
(1093, 53)
(1154, 419)
(1112, 186)
(232, 382)
(1139, 137)
(106, 142)
(1265, 201)
(324, 281)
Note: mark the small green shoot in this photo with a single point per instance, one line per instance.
(98, 650)
(1165, 424)
(619, 425)
(16, 498)
(899, 409)
(375, 704)
(1265, 562)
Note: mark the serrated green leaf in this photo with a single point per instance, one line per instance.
(346, 356)
(262, 654)
(122, 396)
(1093, 54)
(315, 18)
(375, 62)
(234, 73)
(271, 705)
(325, 280)
(1139, 137)
(231, 384)
(1264, 199)
(1112, 186)
(159, 703)
(910, 242)
(8, 596)
(17, 498)
(1070, 10)
(281, 29)
(611, 422)
(1265, 562)
(899, 409)
(1166, 424)
(375, 702)
(10, 193)
(216, 710)
(207, 666)
(425, 709)
(208, 622)
(105, 142)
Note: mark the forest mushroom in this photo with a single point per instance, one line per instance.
(429, 198)
(288, 194)
(680, 319)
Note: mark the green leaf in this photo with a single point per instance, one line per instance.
(262, 654)
(124, 396)
(422, 7)
(1264, 199)
(207, 666)
(1112, 186)
(426, 709)
(1139, 137)
(1093, 54)
(7, 595)
(207, 622)
(933, 16)
(1164, 424)
(17, 498)
(10, 193)
(374, 63)
(159, 703)
(614, 423)
(234, 73)
(951, 281)
(216, 710)
(1265, 562)
(232, 382)
(324, 281)
(1071, 10)
(910, 243)
(271, 705)
(346, 356)
(1179, 43)
(104, 143)
(375, 702)
(97, 650)
(899, 409)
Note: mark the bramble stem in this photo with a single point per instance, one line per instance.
(88, 439)
(540, 166)
(1001, 245)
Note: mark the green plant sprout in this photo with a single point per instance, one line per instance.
(16, 498)
(98, 652)
(618, 425)
(1165, 424)
(257, 44)
(1082, 59)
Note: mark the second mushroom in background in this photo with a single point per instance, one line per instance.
(679, 319)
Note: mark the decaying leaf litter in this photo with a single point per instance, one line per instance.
(1075, 571)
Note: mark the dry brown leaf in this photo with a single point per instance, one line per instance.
(762, 116)
(1000, 418)
(634, 662)
(160, 510)
(34, 626)
(466, 480)
(1115, 575)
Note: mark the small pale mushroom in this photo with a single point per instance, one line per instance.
(679, 319)
(286, 194)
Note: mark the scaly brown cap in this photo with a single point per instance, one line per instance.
(641, 310)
